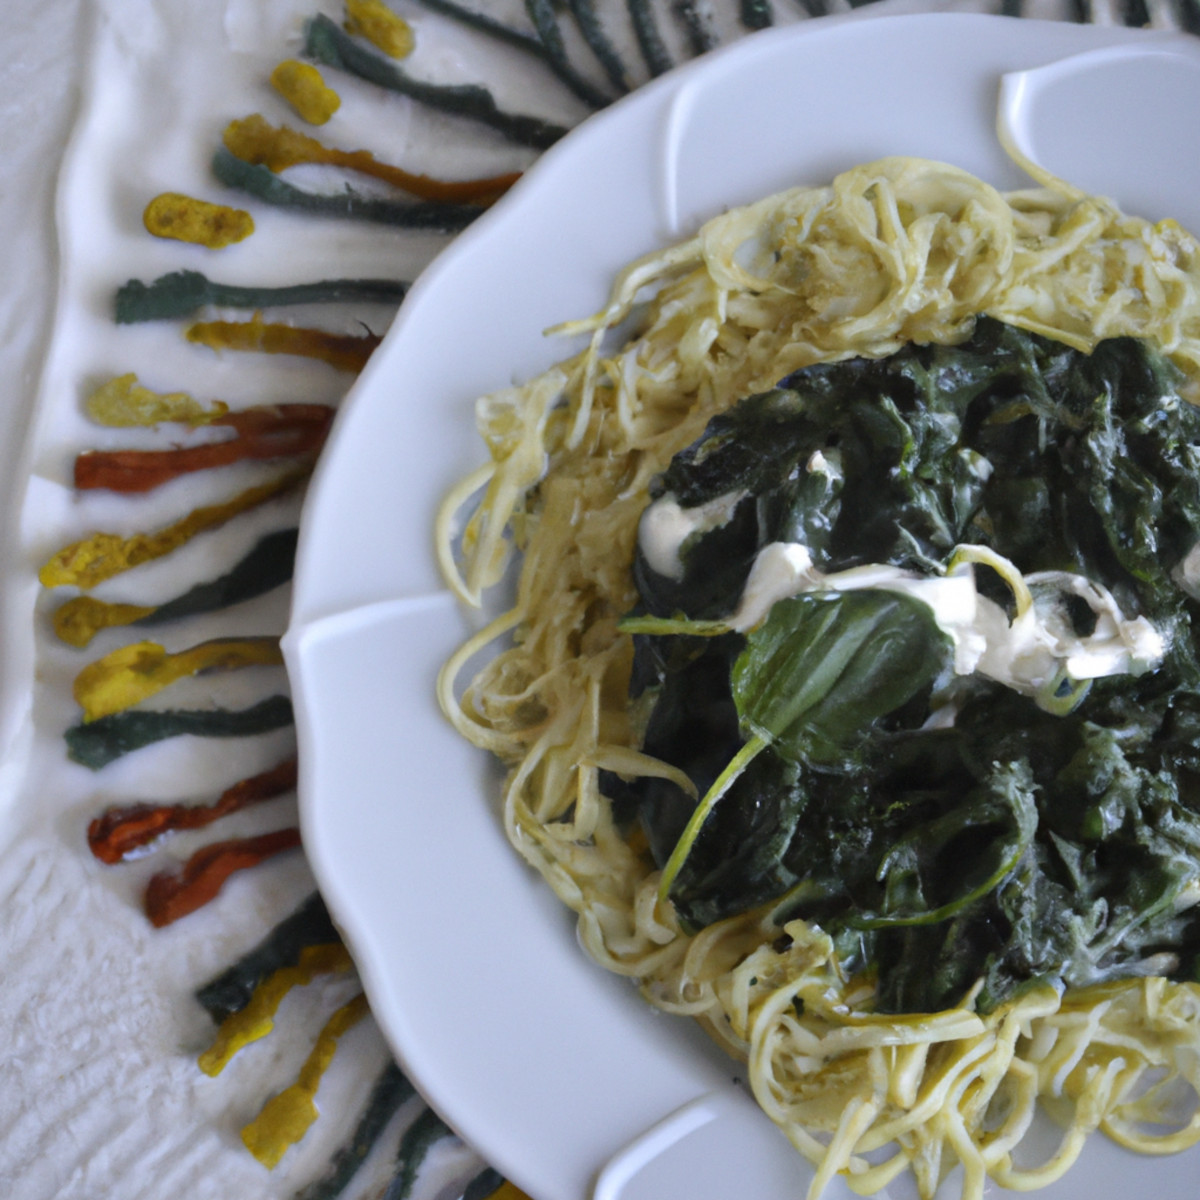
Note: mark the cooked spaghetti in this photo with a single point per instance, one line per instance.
(891, 254)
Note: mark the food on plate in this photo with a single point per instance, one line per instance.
(849, 694)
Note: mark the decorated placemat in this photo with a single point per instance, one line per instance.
(248, 193)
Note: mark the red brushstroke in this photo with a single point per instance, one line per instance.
(173, 894)
(119, 831)
(274, 431)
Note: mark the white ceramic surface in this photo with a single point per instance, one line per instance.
(545, 1063)
(1139, 104)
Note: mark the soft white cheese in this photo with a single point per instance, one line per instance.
(784, 569)
(666, 525)
(1117, 645)
(1027, 654)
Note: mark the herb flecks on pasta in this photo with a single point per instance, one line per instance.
(892, 253)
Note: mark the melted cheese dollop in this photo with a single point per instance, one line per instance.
(1033, 653)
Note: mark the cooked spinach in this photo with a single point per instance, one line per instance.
(1015, 845)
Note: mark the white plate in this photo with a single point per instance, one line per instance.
(548, 1065)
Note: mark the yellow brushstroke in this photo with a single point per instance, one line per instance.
(123, 402)
(136, 672)
(80, 619)
(345, 352)
(186, 219)
(383, 28)
(257, 1018)
(91, 561)
(301, 85)
(507, 1191)
(285, 1118)
(255, 140)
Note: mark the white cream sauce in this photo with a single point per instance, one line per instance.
(666, 526)
(1027, 654)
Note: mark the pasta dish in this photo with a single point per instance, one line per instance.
(849, 694)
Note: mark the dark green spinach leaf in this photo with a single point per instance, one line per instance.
(1016, 846)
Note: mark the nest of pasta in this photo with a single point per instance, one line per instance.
(891, 254)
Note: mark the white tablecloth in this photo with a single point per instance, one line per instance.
(100, 1095)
